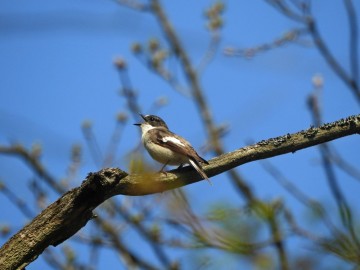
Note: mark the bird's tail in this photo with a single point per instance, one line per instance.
(198, 168)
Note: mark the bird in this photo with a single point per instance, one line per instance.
(167, 147)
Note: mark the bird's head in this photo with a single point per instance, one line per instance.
(152, 120)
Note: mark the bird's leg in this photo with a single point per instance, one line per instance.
(162, 169)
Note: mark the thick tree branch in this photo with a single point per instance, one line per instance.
(73, 210)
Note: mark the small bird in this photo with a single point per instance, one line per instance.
(168, 148)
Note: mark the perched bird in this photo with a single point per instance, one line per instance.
(168, 148)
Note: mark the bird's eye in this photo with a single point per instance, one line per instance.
(152, 119)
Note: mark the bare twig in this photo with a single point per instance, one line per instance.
(130, 258)
(145, 233)
(306, 18)
(93, 145)
(210, 52)
(296, 228)
(133, 4)
(344, 165)
(114, 141)
(34, 163)
(328, 56)
(75, 163)
(299, 195)
(17, 201)
(353, 40)
(279, 243)
(286, 10)
(291, 36)
(127, 90)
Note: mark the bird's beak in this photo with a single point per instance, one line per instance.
(143, 117)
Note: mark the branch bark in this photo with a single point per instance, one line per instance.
(73, 210)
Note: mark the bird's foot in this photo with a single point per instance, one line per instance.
(181, 165)
(162, 169)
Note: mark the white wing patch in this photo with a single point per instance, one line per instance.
(173, 140)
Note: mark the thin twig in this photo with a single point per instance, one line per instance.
(133, 4)
(278, 242)
(299, 195)
(286, 10)
(353, 40)
(113, 144)
(333, 63)
(131, 259)
(17, 201)
(344, 165)
(145, 233)
(93, 145)
(210, 52)
(35, 164)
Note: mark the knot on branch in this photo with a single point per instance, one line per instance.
(103, 181)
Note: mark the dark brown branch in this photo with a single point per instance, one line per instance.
(59, 221)
(73, 210)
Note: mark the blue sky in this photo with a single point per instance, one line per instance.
(57, 71)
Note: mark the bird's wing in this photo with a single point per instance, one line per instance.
(170, 140)
(181, 146)
(176, 144)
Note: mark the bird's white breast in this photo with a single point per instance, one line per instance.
(145, 127)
